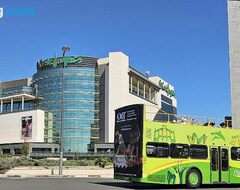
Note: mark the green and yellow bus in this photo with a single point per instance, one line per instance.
(151, 149)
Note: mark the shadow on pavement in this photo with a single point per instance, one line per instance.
(130, 185)
(142, 186)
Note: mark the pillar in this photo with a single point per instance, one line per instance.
(11, 105)
(22, 102)
(1, 109)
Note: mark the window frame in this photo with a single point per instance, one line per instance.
(224, 159)
(194, 145)
(158, 144)
(237, 156)
(178, 144)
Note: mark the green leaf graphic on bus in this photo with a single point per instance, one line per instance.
(218, 135)
(164, 135)
(194, 139)
(175, 175)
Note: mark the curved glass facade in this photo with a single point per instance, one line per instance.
(78, 80)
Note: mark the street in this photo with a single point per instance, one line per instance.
(85, 184)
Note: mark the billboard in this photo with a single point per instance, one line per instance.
(26, 130)
(128, 141)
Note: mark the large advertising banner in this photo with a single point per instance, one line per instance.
(128, 141)
(26, 131)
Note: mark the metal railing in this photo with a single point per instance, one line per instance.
(153, 113)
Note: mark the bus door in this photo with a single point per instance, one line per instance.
(219, 165)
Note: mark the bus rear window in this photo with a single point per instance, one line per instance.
(179, 150)
(235, 153)
(160, 150)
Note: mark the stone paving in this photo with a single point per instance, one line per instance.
(85, 171)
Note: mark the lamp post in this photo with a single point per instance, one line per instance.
(65, 49)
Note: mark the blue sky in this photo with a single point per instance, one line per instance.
(185, 42)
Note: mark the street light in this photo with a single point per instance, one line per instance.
(65, 49)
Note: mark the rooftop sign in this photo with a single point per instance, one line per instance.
(54, 62)
(166, 89)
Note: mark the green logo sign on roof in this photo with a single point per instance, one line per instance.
(166, 89)
(54, 62)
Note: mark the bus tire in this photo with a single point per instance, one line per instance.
(193, 179)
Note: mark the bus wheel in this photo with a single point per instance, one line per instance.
(193, 179)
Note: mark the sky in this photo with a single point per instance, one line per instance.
(185, 42)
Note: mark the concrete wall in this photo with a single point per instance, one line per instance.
(15, 83)
(102, 70)
(115, 72)
(234, 53)
(117, 89)
(11, 127)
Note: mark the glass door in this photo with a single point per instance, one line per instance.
(219, 165)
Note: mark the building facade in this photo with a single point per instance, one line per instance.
(24, 126)
(16, 95)
(122, 85)
(70, 83)
(22, 122)
(84, 93)
(234, 54)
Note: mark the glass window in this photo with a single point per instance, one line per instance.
(179, 150)
(235, 153)
(80, 102)
(214, 159)
(166, 99)
(224, 155)
(160, 150)
(198, 152)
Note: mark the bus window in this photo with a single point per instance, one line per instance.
(179, 150)
(198, 152)
(160, 150)
(235, 153)
(214, 159)
(224, 155)
(151, 150)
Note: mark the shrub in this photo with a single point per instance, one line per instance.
(86, 162)
(5, 156)
(6, 163)
(25, 161)
(71, 163)
(45, 162)
(101, 162)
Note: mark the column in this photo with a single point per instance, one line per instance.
(22, 103)
(1, 110)
(11, 105)
(131, 81)
(138, 87)
(150, 95)
(154, 93)
(12, 151)
(144, 91)
(52, 149)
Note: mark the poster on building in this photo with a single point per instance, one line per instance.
(26, 131)
(128, 141)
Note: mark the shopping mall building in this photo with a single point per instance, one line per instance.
(81, 91)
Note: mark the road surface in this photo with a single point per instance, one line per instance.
(85, 184)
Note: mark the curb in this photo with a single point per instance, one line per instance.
(55, 176)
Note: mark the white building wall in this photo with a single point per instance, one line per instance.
(11, 127)
(234, 53)
(117, 89)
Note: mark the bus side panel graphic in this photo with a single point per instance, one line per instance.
(127, 146)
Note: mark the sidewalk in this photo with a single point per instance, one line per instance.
(80, 171)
